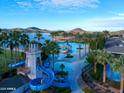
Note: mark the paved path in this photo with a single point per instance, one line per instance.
(76, 65)
(75, 74)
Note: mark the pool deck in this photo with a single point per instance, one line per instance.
(75, 74)
(76, 65)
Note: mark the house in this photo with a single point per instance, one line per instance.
(115, 45)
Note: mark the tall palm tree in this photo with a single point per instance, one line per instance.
(3, 38)
(53, 49)
(118, 65)
(78, 40)
(24, 40)
(83, 39)
(0, 43)
(79, 48)
(4, 41)
(93, 59)
(103, 58)
(12, 40)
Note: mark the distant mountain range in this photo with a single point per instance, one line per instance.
(35, 29)
(29, 29)
(120, 32)
(78, 30)
(74, 31)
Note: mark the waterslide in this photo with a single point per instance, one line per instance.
(42, 83)
(18, 64)
(66, 48)
(65, 51)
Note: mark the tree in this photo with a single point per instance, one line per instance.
(11, 40)
(54, 34)
(103, 58)
(106, 33)
(24, 40)
(79, 48)
(93, 59)
(52, 48)
(65, 34)
(118, 65)
(39, 36)
(0, 43)
(62, 66)
(0, 30)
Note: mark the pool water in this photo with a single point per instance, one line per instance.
(112, 75)
(45, 36)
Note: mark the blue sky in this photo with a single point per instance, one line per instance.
(91, 15)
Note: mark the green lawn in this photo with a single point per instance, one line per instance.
(6, 58)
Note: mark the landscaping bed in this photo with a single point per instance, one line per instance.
(54, 90)
(69, 56)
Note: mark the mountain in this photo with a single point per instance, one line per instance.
(29, 29)
(120, 32)
(77, 30)
(35, 29)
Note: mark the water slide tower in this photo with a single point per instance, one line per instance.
(33, 58)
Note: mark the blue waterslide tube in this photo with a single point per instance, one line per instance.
(36, 84)
(63, 84)
(20, 63)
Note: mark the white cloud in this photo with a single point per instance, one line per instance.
(113, 21)
(108, 23)
(37, 0)
(69, 6)
(120, 14)
(70, 3)
(24, 4)
(76, 3)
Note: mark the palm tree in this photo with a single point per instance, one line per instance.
(62, 66)
(118, 65)
(39, 36)
(83, 39)
(0, 43)
(65, 34)
(93, 59)
(12, 40)
(103, 58)
(3, 41)
(52, 48)
(78, 40)
(54, 34)
(79, 48)
(24, 40)
(3, 38)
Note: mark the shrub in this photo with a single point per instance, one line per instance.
(87, 90)
(69, 56)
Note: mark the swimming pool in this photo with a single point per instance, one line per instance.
(112, 75)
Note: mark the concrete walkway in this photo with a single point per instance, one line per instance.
(75, 74)
(76, 65)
